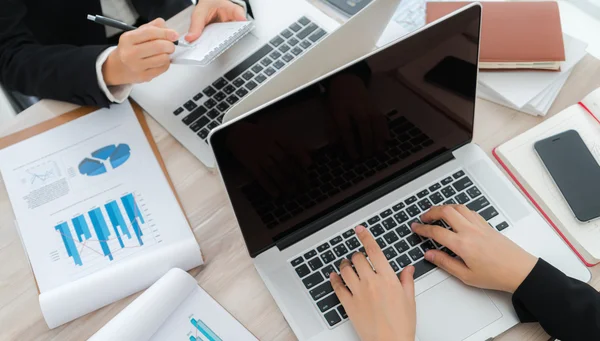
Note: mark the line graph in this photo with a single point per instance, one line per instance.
(41, 175)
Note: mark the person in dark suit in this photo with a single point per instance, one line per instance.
(383, 308)
(50, 50)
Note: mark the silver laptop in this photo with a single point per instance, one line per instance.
(191, 101)
(303, 170)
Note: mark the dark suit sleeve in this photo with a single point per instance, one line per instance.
(61, 72)
(566, 308)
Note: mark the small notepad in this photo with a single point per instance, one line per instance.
(215, 39)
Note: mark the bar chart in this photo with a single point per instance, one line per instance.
(92, 233)
(204, 330)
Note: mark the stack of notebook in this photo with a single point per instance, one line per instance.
(525, 58)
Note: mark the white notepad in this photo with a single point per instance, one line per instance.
(215, 39)
(519, 159)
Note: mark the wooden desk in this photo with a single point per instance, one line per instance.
(228, 274)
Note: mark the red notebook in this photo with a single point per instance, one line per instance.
(514, 35)
(519, 160)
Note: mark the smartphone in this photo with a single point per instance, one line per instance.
(574, 170)
(456, 75)
(350, 7)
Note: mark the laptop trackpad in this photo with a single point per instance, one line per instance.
(451, 311)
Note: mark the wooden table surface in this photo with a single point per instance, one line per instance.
(228, 275)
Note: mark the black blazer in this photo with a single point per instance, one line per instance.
(49, 49)
(566, 308)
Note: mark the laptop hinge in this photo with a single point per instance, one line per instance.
(442, 157)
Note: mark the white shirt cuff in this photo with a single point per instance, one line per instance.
(114, 93)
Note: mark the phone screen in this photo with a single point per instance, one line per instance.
(574, 170)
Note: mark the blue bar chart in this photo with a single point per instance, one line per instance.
(133, 212)
(204, 330)
(98, 234)
(67, 239)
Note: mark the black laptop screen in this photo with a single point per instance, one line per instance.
(317, 155)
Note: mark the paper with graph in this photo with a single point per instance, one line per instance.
(174, 308)
(95, 212)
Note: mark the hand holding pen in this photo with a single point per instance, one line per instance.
(142, 54)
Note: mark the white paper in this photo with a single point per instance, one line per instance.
(174, 308)
(520, 87)
(93, 207)
(116, 282)
(538, 106)
(144, 316)
(215, 39)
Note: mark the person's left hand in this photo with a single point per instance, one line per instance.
(381, 307)
(210, 11)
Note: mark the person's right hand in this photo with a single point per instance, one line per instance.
(489, 259)
(141, 55)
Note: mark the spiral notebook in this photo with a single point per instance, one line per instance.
(215, 39)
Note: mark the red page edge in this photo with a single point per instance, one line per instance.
(537, 206)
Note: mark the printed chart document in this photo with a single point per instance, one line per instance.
(175, 308)
(95, 212)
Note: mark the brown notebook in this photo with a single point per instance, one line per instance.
(514, 35)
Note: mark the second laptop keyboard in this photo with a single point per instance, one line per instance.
(205, 111)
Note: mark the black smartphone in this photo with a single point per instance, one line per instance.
(350, 7)
(574, 170)
(456, 75)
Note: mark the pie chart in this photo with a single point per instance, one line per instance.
(105, 159)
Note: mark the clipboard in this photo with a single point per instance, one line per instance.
(80, 112)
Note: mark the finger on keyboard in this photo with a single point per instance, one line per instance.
(349, 275)
(448, 214)
(437, 233)
(467, 213)
(340, 289)
(362, 265)
(376, 256)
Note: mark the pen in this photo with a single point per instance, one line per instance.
(98, 19)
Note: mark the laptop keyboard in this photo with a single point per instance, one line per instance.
(391, 229)
(205, 111)
(336, 173)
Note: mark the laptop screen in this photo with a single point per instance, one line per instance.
(332, 147)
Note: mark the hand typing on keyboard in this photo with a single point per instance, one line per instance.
(209, 11)
(489, 259)
(381, 307)
(362, 127)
